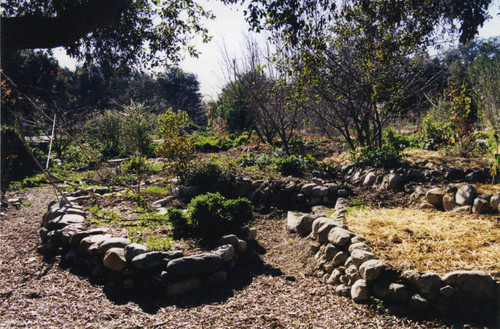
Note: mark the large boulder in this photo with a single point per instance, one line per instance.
(359, 256)
(449, 202)
(392, 291)
(64, 220)
(87, 242)
(465, 195)
(195, 265)
(79, 236)
(304, 226)
(435, 197)
(478, 285)
(372, 269)
(134, 249)
(495, 202)
(370, 179)
(56, 212)
(226, 252)
(114, 259)
(113, 243)
(325, 229)
(339, 236)
(320, 191)
(426, 283)
(155, 259)
(481, 206)
(360, 291)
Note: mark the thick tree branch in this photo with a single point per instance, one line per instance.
(33, 31)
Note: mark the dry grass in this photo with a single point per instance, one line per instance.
(438, 158)
(430, 240)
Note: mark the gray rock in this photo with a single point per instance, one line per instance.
(392, 291)
(481, 206)
(330, 252)
(427, 284)
(242, 246)
(314, 201)
(343, 290)
(339, 236)
(339, 258)
(343, 193)
(195, 265)
(87, 242)
(325, 229)
(465, 195)
(307, 189)
(304, 226)
(290, 187)
(114, 259)
(155, 259)
(395, 182)
(56, 212)
(449, 202)
(134, 249)
(495, 202)
(478, 285)
(67, 233)
(370, 179)
(226, 252)
(358, 245)
(360, 291)
(79, 236)
(334, 278)
(317, 223)
(182, 287)
(320, 211)
(160, 203)
(435, 197)
(360, 256)
(320, 191)
(418, 302)
(372, 269)
(113, 243)
(64, 220)
(230, 239)
(341, 204)
(242, 189)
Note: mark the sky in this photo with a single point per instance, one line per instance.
(228, 30)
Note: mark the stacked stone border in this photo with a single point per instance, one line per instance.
(130, 265)
(346, 261)
(354, 271)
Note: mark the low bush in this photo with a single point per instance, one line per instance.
(378, 157)
(209, 216)
(207, 172)
(294, 166)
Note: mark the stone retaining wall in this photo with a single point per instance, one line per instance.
(130, 265)
(354, 271)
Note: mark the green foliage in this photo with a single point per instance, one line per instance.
(436, 131)
(207, 172)
(157, 189)
(378, 157)
(393, 139)
(294, 165)
(137, 126)
(212, 143)
(211, 215)
(356, 205)
(177, 146)
(103, 132)
(494, 153)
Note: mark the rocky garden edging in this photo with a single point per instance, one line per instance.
(354, 270)
(130, 265)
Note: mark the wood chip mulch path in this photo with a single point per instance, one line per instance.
(279, 292)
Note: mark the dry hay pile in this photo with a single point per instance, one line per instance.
(429, 240)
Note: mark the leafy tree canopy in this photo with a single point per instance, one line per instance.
(120, 33)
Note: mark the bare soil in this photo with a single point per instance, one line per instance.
(277, 289)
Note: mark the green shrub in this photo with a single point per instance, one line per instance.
(393, 139)
(178, 220)
(293, 165)
(378, 157)
(211, 215)
(207, 172)
(211, 143)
